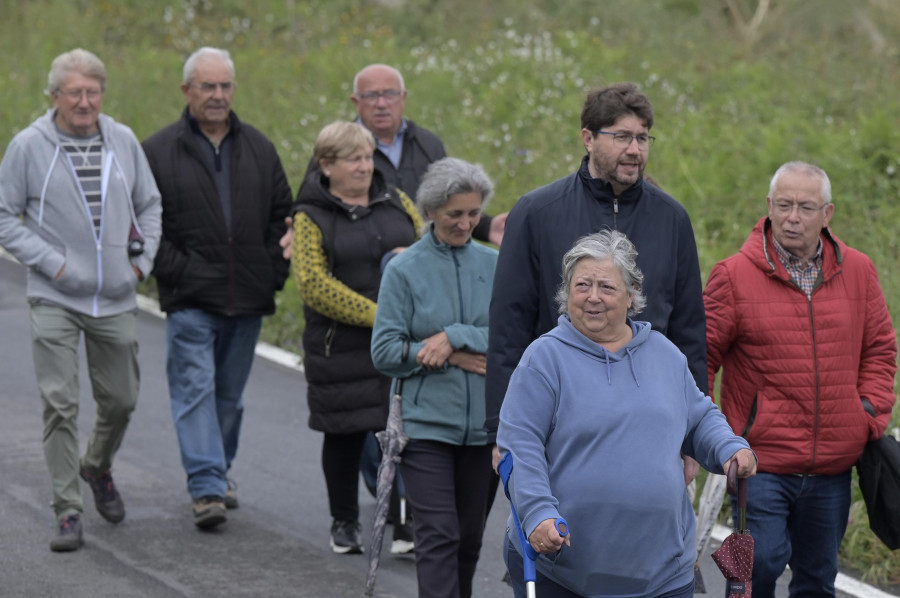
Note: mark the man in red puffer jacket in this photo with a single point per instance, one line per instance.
(799, 325)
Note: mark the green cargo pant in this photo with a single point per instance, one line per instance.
(111, 349)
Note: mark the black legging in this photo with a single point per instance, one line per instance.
(341, 455)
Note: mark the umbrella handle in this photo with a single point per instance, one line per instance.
(738, 486)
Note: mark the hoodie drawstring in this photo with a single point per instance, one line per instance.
(44, 187)
(631, 361)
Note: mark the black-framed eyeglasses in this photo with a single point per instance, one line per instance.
(624, 139)
(371, 97)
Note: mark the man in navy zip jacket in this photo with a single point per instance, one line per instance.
(607, 191)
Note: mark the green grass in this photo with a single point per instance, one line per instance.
(502, 82)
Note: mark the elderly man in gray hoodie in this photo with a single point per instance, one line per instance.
(79, 207)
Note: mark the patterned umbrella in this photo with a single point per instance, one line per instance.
(392, 441)
(735, 556)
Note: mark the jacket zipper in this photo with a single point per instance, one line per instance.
(812, 326)
(462, 318)
(329, 338)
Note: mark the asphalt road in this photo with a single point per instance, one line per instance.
(275, 544)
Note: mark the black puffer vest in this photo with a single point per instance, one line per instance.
(344, 390)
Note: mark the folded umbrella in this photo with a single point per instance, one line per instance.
(392, 441)
(735, 557)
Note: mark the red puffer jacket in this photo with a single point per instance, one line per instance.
(795, 369)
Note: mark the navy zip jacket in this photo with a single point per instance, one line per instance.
(545, 224)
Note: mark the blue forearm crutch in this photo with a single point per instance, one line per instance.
(504, 468)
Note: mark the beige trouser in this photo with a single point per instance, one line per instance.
(111, 349)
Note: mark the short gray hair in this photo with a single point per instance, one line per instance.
(397, 73)
(448, 177)
(190, 65)
(77, 61)
(605, 245)
(807, 169)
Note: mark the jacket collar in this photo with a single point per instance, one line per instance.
(601, 190)
(759, 248)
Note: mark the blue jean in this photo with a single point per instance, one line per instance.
(208, 364)
(797, 520)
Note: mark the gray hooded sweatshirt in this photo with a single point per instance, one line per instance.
(38, 182)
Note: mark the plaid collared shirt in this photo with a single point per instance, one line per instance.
(803, 273)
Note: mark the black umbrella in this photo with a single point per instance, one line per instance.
(392, 441)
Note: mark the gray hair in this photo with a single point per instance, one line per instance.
(78, 61)
(448, 177)
(807, 169)
(386, 66)
(605, 245)
(190, 65)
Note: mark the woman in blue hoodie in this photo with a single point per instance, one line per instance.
(597, 415)
(435, 296)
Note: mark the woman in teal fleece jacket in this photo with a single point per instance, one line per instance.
(596, 417)
(435, 297)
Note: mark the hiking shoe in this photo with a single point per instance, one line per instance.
(403, 538)
(106, 498)
(231, 500)
(346, 537)
(68, 536)
(209, 511)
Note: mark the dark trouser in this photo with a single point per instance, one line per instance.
(341, 454)
(446, 487)
(547, 588)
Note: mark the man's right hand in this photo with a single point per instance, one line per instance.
(288, 239)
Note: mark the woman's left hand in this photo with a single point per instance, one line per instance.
(436, 351)
(746, 462)
(545, 538)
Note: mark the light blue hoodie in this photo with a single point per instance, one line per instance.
(596, 438)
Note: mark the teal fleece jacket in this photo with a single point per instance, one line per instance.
(596, 438)
(428, 288)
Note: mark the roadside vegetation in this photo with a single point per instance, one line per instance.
(738, 86)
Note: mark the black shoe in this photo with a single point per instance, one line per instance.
(403, 538)
(346, 537)
(209, 511)
(106, 497)
(68, 536)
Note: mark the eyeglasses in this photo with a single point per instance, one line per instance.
(806, 209)
(208, 87)
(76, 94)
(371, 97)
(624, 139)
